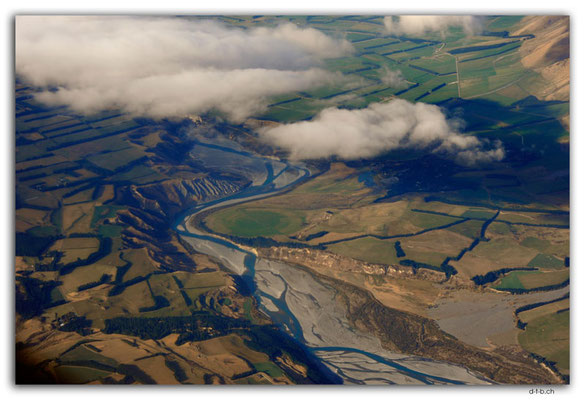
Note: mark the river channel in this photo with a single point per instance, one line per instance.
(292, 297)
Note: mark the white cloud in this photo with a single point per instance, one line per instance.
(165, 67)
(393, 78)
(381, 127)
(422, 24)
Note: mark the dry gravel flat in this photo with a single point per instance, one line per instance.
(269, 282)
(474, 316)
(322, 319)
(324, 324)
(231, 258)
(357, 368)
(270, 306)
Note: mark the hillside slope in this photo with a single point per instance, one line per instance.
(548, 54)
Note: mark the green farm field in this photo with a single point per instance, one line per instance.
(109, 289)
(530, 315)
(250, 222)
(532, 279)
(548, 336)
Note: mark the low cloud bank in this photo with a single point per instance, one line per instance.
(166, 67)
(393, 78)
(421, 24)
(381, 127)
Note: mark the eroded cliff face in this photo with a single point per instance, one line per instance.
(152, 209)
(412, 334)
(312, 258)
(407, 332)
(167, 198)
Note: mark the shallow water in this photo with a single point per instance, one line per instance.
(304, 306)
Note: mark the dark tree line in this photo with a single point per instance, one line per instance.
(110, 132)
(537, 289)
(468, 49)
(121, 286)
(399, 252)
(28, 244)
(103, 250)
(449, 270)
(106, 278)
(35, 297)
(199, 326)
(175, 367)
(493, 276)
(432, 198)
(276, 343)
(522, 325)
(159, 302)
(53, 265)
(417, 265)
(316, 235)
(550, 364)
(77, 324)
(266, 339)
(260, 241)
